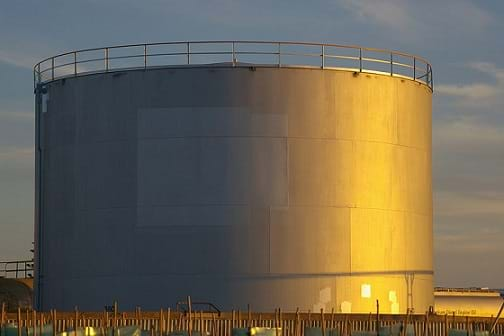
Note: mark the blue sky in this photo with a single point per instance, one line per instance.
(461, 38)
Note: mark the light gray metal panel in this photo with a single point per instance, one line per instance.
(210, 121)
(212, 170)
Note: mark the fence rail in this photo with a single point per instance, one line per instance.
(236, 54)
(162, 322)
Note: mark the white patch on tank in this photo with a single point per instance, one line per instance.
(346, 307)
(325, 295)
(392, 296)
(366, 290)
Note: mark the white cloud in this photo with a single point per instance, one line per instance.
(391, 13)
(487, 93)
(19, 59)
(468, 154)
(453, 203)
(18, 116)
(471, 91)
(13, 152)
(484, 241)
(467, 131)
(489, 69)
(420, 21)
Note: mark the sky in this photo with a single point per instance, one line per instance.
(461, 38)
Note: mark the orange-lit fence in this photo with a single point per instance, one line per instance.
(164, 322)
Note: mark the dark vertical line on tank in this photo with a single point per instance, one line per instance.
(76, 178)
(352, 204)
(38, 197)
(269, 240)
(287, 163)
(396, 108)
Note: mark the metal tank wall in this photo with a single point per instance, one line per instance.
(271, 187)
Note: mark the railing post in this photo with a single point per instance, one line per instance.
(106, 59)
(431, 78)
(427, 79)
(52, 68)
(323, 56)
(414, 68)
(39, 75)
(75, 63)
(233, 53)
(145, 56)
(391, 64)
(279, 55)
(188, 53)
(360, 59)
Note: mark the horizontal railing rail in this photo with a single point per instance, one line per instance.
(234, 53)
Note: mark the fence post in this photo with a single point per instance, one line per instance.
(189, 326)
(2, 317)
(54, 322)
(19, 321)
(52, 68)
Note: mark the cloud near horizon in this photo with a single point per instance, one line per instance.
(479, 92)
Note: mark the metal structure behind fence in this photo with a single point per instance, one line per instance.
(211, 323)
(16, 269)
(234, 53)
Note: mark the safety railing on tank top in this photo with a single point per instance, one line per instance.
(237, 54)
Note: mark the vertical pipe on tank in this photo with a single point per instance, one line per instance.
(38, 198)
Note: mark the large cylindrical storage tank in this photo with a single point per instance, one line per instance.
(235, 184)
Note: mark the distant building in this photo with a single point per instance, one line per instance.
(467, 301)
